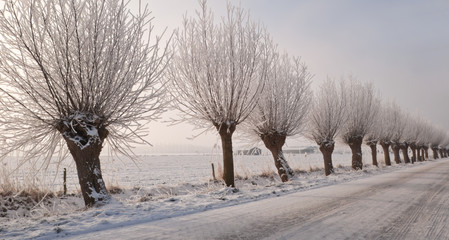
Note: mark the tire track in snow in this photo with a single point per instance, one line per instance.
(425, 218)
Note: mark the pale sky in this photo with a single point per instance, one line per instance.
(401, 46)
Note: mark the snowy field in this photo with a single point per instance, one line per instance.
(158, 187)
(153, 170)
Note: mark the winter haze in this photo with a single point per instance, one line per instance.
(400, 46)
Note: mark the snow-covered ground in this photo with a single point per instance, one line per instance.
(410, 203)
(159, 187)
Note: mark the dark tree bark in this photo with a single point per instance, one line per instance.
(274, 143)
(373, 146)
(404, 149)
(327, 149)
(435, 152)
(226, 132)
(413, 148)
(385, 147)
(85, 150)
(426, 152)
(356, 148)
(395, 147)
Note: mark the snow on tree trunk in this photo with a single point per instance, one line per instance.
(226, 130)
(84, 135)
(274, 143)
(441, 152)
(419, 156)
(395, 147)
(327, 149)
(355, 144)
(385, 147)
(373, 146)
(404, 149)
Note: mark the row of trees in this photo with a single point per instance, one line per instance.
(350, 110)
(83, 72)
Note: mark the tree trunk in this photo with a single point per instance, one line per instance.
(426, 152)
(373, 146)
(385, 147)
(404, 148)
(327, 149)
(396, 148)
(85, 142)
(420, 158)
(274, 143)
(226, 131)
(435, 153)
(413, 147)
(441, 152)
(356, 148)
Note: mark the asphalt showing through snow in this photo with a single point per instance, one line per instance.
(411, 203)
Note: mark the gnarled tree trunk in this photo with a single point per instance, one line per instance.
(373, 146)
(385, 147)
(396, 148)
(356, 148)
(404, 149)
(426, 152)
(226, 130)
(274, 143)
(327, 149)
(85, 142)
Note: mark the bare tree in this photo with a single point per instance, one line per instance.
(424, 141)
(389, 120)
(282, 109)
(362, 107)
(437, 138)
(412, 133)
(218, 73)
(397, 123)
(327, 118)
(81, 72)
(373, 135)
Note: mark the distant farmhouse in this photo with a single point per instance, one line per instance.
(308, 150)
(252, 151)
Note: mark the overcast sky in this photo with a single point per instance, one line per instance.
(401, 46)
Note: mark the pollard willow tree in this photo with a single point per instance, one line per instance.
(398, 124)
(326, 119)
(373, 135)
(412, 133)
(218, 73)
(78, 73)
(386, 131)
(362, 107)
(436, 140)
(281, 111)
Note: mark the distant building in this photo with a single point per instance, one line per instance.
(290, 151)
(252, 151)
(308, 150)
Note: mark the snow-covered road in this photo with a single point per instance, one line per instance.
(412, 203)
